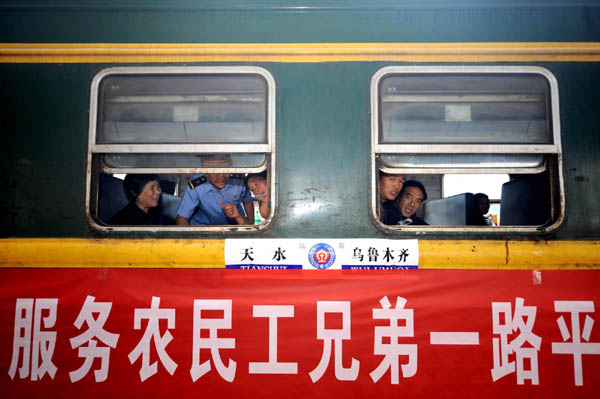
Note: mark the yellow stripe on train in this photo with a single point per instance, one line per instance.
(298, 52)
(188, 253)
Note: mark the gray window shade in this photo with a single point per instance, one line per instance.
(180, 161)
(462, 161)
(198, 109)
(465, 109)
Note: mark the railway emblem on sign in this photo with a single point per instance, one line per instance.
(321, 256)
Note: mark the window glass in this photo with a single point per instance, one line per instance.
(462, 161)
(183, 109)
(457, 108)
(173, 148)
(179, 161)
(479, 147)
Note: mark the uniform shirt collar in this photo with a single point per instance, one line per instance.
(213, 188)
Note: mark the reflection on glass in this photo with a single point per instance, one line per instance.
(462, 161)
(182, 109)
(464, 109)
(180, 161)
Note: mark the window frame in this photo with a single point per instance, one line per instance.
(553, 150)
(94, 151)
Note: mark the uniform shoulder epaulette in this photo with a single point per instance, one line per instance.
(196, 182)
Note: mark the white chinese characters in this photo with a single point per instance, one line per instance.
(335, 336)
(394, 349)
(91, 336)
(34, 343)
(522, 322)
(213, 342)
(273, 313)
(395, 346)
(153, 315)
(575, 347)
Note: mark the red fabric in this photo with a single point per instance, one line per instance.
(442, 300)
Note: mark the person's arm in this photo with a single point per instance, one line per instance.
(263, 207)
(232, 212)
(186, 207)
(249, 208)
(181, 221)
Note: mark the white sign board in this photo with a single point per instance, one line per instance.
(298, 253)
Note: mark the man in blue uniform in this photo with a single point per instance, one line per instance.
(216, 199)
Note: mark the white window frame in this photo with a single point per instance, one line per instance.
(554, 149)
(268, 149)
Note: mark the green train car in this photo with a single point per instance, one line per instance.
(375, 129)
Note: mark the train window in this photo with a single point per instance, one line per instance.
(183, 126)
(477, 123)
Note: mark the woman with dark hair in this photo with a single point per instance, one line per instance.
(143, 192)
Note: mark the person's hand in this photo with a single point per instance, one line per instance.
(231, 211)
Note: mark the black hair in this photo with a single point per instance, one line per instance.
(413, 183)
(134, 184)
(382, 174)
(262, 175)
(478, 196)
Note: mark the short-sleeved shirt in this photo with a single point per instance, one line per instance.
(207, 199)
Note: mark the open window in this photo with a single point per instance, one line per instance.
(182, 124)
(432, 122)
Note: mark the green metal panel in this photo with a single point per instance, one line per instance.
(323, 120)
(323, 133)
(45, 111)
(579, 86)
(213, 21)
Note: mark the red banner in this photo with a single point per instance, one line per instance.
(245, 334)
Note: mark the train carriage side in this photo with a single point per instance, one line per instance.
(324, 98)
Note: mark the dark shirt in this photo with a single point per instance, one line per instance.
(480, 220)
(132, 215)
(393, 217)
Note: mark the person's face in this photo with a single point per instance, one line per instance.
(484, 205)
(390, 186)
(410, 201)
(149, 196)
(219, 180)
(258, 186)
